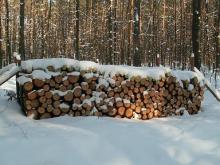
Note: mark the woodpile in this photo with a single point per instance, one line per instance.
(86, 93)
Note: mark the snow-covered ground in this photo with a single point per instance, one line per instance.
(90, 140)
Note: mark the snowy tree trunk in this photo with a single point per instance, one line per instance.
(110, 58)
(136, 35)
(21, 30)
(196, 32)
(77, 43)
(8, 43)
(217, 35)
(1, 51)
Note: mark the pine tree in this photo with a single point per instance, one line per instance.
(136, 35)
(21, 31)
(196, 32)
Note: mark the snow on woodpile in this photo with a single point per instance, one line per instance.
(54, 87)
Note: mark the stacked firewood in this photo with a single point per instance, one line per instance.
(85, 93)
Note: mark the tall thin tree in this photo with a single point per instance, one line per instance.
(136, 35)
(196, 6)
(1, 51)
(8, 43)
(217, 35)
(77, 43)
(21, 31)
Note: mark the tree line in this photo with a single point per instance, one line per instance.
(133, 32)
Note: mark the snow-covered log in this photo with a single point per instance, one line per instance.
(55, 87)
(7, 72)
(209, 86)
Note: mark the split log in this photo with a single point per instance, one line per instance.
(129, 113)
(73, 78)
(68, 97)
(77, 91)
(121, 111)
(28, 86)
(56, 112)
(58, 79)
(38, 83)
(48, 95)
(41, 110)
(32, 95)
(56, 96)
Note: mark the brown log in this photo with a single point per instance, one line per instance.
(138, 109)
(121, 94)
(133, 106)
(145, 111)
(28, 86)
(130, 92)
(44, 105)
(77, 91)
(48, 95)
(62, 88)
(121, 111)
(35, 103)
(69, 96)
(157, 113)
(56, 104)
(57, 86)
(150, 115)
(41, 110)
(27, 102)
(40, 92)
(56, 112)
(32, 95)
(84, 86)
(119, 104)
(127, 103)
(58, 79)
(49, 108)
(88, 91)
(66, 83)
(73, 78)
(56, 96)
(38, 83)
(52, 83)
(28, 106)
(64, 110)
(129, 113)
(42, 99)
(113, 112)
(137, 85)
(144, 116)
(86, 106)
(69, 87)
(76, 101)
(46, 87)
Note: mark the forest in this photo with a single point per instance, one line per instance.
(176, 33)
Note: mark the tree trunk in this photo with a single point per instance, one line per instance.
(110, 58)
(217, 35)
(21, 31)
(8, 43)
(1, 51)
(137, 52)
(196, 32)
(77, 44)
